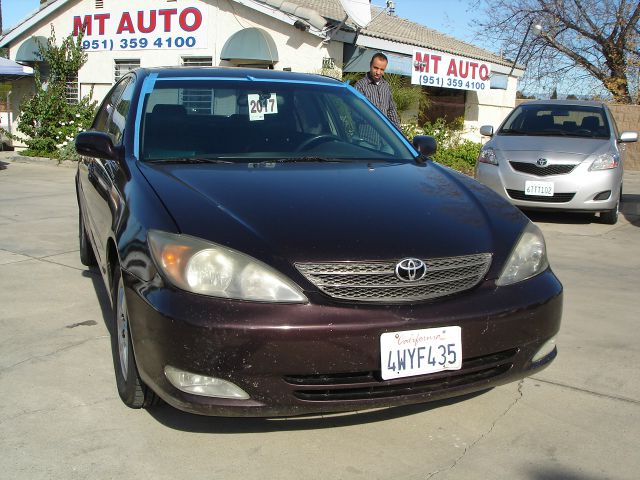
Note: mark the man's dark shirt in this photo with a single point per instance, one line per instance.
(380, 95)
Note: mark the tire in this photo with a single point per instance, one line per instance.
(87, 256)
(610, 217)
(133, 392)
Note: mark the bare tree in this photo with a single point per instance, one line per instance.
(578, 40)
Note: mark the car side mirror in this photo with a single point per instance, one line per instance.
(486, 131)
(425, 144)
(96, 144)
(628, 137)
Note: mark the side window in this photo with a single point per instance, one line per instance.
(102, 118)
(120, 112)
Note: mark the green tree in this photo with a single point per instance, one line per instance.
(47, 118)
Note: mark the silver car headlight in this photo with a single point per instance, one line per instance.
(528, 258)
(605, 161)
(488, 155)
(204, 267)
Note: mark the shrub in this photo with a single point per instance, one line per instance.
(47, 118)
(453, 151)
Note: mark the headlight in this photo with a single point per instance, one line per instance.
(605, 161)
(204, 267)
(528, 258)
(487, 155)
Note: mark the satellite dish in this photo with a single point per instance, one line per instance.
(358, 10)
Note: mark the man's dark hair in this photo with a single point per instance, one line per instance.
(379, 55)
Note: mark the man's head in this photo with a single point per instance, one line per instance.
(377, 66)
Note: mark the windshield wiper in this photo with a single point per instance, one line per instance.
(187, 160)
(513, 131)
(305, 160)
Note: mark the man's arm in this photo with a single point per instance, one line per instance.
(392, 110)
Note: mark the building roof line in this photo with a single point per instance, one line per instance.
(44, 11)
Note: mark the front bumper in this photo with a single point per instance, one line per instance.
(312, 358)
(577, 191)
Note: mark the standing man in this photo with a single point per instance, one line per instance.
(376, 88)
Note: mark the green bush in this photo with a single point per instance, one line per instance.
(47, 118)
(453, 151)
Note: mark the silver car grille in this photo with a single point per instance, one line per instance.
(377, 281)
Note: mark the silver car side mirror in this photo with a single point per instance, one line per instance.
(628, 137)
(486, 131)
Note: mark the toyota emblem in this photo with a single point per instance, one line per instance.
(542, 162)
(411, 270)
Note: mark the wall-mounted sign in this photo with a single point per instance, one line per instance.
(437, 69)
(183, 27)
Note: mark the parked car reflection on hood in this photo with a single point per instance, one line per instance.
(274, 246)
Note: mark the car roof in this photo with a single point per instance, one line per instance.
(588, 103)
(237, 73)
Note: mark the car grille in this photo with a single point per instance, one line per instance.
(547, 171)
(556, 198)
(369, 385)
(377, 281)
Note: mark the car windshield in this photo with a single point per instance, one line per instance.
(200, 120)
(557, 120)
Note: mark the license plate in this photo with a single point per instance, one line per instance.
(541, 189)
(418, 352)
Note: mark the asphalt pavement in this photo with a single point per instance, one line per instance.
(61, 418)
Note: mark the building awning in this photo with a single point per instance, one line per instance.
(251, 44)
(29, 50)
(357, 59)
(10, 70)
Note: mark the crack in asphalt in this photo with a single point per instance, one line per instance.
(45, 259)
(589, 392)
(484, 435)
(50, 354)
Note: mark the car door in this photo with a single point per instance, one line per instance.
(97, 175)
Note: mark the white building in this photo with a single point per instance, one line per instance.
(297, 35)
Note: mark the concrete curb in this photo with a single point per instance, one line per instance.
(15, 157)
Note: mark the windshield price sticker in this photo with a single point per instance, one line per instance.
(261, 105)
(433, 68)
(541, 189)
(419, 352)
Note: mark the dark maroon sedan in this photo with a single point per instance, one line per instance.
(274, 246)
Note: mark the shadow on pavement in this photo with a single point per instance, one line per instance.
(102, 295)
(187, 422)
(629, 209)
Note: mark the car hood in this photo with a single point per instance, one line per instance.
(337, 211)
(579, 147)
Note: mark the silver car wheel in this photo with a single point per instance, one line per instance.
(122, 330)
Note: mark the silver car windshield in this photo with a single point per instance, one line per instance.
(200, 120)
(551, 120)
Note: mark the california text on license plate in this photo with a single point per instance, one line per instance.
(542, 189)
(418, 352)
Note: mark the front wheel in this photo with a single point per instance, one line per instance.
(610, 217)
(133, 392)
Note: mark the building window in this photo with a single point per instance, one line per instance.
(122, 67)
(197, 61)
(72, 90)
(196, 100)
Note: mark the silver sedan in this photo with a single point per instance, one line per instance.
(563, 155)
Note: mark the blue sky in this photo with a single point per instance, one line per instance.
(448, 16)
